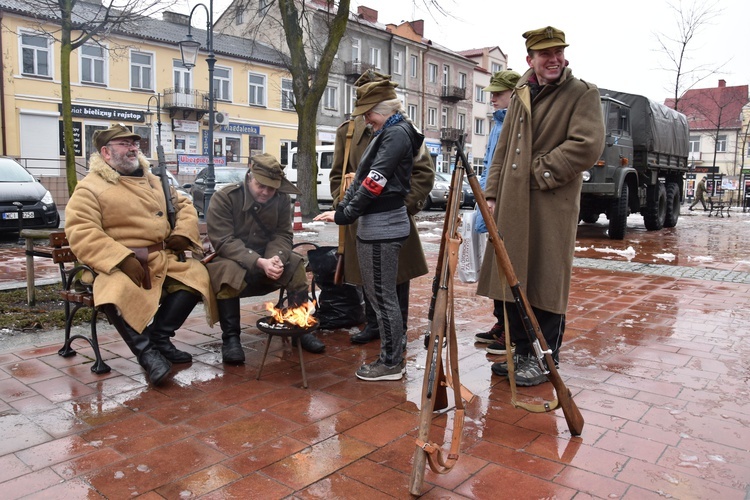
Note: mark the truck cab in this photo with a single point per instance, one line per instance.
(642, 167)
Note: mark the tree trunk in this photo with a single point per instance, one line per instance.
(66, 49)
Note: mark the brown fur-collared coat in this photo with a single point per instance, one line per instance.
(536, 180)
(108, 213)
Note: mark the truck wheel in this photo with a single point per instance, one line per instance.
(590, 217)
(656, 207)
(618, 215)
(673, 204)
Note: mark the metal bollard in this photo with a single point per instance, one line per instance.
(19, 207)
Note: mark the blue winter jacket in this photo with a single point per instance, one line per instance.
(499, 116)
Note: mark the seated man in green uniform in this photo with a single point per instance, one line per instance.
(250, 226)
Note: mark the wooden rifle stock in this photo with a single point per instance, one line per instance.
(572, 414)
(434, 387)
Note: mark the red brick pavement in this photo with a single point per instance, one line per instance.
(656, 364)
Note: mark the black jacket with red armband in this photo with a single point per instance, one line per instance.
(383, 177)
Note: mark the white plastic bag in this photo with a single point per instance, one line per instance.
(471, 250)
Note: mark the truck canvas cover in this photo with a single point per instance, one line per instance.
(655, 127)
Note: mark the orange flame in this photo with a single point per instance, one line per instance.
(298, 316)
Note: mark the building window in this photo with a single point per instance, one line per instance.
(479, 126)
(256, 95)
(462, 80)
(414, 63)
(263, 6)
(431, 117)
(446, 75)
(695, 144)
(721, 144)
(35, 50)
(496, 67)
(432, 72)
(375, 57)
(444, 118)
(330, 98)
(222, 84)
(397, 56)
(141, 71)
(238, 14)
(287, 95)
(461, 121)
(286, 149)
(411, 112)
(356, 51)
(479, 94)
(92, 64)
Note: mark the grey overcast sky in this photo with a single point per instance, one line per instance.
(612, 44)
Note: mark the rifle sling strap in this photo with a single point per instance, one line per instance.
(346, 179)
(531, 407)
(439, 462)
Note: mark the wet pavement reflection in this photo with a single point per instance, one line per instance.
(655, 356)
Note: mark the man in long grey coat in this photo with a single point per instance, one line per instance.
(553, 131)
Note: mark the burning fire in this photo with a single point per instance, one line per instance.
(298, 316)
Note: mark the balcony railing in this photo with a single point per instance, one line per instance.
(694, 156)
(186, 101)
(450, 134)
(352, 69)
(453, 93)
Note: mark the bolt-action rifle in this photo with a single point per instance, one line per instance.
(543, 353)
(171, 211)
(442, 334)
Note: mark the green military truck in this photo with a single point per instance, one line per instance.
(642, 169)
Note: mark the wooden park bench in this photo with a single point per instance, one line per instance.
(77, 296)
(717, 206)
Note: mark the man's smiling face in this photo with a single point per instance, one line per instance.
(548, 64)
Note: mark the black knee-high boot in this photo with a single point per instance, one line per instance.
(174, 310)
(229, 318)
(157, 366)
(371, 331)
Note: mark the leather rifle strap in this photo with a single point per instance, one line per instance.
(440, 463)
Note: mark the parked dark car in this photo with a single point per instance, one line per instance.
(439, 195)
(17, 185)
(222, 175)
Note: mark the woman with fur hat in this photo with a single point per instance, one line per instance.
(376, 201)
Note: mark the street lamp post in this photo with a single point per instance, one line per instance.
(159, 149)
(189, 52)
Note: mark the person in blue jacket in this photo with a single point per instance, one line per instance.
(500, 88)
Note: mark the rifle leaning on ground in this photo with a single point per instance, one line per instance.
(542, 351)
(442, 333)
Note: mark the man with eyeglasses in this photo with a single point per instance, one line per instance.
(250, 226)
(116, 223)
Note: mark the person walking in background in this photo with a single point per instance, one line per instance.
(119, 212)
(411, 260)
(700, 195)
(552, 132)
(376, 199)
(500, 88)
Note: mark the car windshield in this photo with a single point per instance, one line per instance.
(10, 171)
(230, 175)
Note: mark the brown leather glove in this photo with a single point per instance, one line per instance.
(133, 269)
(177, 243)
